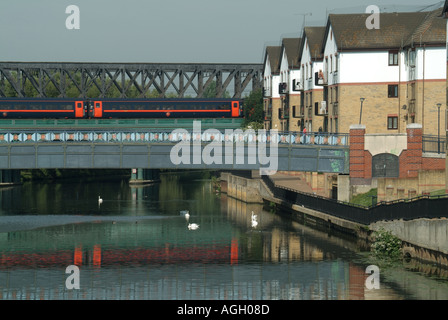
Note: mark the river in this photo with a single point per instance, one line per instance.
(136, 245)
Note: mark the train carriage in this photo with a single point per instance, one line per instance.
(37, 108)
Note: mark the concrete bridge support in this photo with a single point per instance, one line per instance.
(9, 177)
(144, 176)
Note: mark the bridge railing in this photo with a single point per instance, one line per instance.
(11, 136)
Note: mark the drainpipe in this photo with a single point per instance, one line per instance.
(399, 90)
(423, 89)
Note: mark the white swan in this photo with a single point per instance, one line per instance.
(186, 214)
(100, 200)
(254, 221)
(254, 216)
(193, 226)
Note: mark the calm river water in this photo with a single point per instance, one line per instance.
(136, 244)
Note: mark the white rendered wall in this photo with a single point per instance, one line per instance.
(313, 67)
(430, 63)
(267, 78)
(366, 67)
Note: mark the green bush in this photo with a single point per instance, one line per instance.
(386, 245)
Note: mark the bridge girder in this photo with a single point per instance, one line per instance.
(127, 80)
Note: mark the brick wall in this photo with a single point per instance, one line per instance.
(357, 152)
(294, 100)
(417, 172)
(378, 106)
(411, 160)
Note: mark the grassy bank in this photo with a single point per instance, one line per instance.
(365, 199)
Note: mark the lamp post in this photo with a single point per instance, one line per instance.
(438, 127)
(360, 113)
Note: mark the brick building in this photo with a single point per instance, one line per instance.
(394, 69)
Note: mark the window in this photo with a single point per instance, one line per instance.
(335, 62)
(392, 90)
(411, 58)
(393, 58)
(392, 122)
(331, 63)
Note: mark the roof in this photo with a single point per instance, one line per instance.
(445, 10)
(314, 37)
(431, 31)
(273, 54)
(398, 29)
(292, 46)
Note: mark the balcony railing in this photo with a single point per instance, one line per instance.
(320, 79)
(434, 144)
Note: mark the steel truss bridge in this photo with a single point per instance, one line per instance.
(136, 80)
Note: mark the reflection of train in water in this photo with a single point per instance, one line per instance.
(36, 108)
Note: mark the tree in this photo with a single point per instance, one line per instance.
(210, 92)
(253, 110)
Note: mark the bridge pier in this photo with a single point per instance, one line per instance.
(9, 177)
(144, 176)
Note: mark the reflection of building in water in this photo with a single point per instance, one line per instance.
(289, 247)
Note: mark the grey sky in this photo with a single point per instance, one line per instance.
(183, 31)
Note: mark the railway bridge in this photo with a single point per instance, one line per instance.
(125, 80)
(143, 149)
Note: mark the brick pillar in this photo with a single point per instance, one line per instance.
(357, 159)
(413, 160)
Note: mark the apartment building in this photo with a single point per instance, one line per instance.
(311, 63)
(289, 88)
(384, 78)
(271, 81)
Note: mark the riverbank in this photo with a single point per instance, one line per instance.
(423, 239)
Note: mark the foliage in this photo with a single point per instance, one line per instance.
(210, 91)
(73, 84)
(216, 183)
(254, 126)
(253, 110)
(386, 245)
